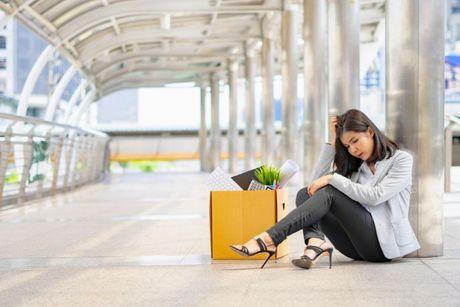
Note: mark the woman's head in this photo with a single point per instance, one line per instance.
(358, 140)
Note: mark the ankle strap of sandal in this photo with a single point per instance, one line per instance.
(261, 243)
(315, 248)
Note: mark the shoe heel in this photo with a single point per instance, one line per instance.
(269, 256)
(330, 257)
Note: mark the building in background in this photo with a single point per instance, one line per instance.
(119, 108)
(19, 49)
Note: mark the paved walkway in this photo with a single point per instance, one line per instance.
(143, 240)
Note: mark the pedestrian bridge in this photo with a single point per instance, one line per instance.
(143, 239)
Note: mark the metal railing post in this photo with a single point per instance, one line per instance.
(57, 163)
(27, 152)
(4, 156)
(41, 149)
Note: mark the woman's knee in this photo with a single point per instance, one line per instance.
(302, 196)
(326, 191)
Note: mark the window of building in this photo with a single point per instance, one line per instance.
(2, 86)
(2, 42)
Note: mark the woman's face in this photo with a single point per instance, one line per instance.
(359, 144)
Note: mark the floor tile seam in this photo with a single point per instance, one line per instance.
(439, 274)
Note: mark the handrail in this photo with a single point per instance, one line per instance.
(452, 118)
(36, 160)
(34, 120)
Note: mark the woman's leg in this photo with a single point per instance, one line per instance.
(349, 213)
(338, 237)
(313, 230)
(335, 232)
(351, 229)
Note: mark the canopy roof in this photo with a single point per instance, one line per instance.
(137, 43)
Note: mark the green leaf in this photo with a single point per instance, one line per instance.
(44, 145)
(37, 177)
(268, 175)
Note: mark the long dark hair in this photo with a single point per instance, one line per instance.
(357, 121)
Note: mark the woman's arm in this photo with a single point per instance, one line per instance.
(398, 177)
(324, 162)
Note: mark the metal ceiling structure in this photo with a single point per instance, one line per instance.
(119, 44)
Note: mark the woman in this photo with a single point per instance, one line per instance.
(362, 206)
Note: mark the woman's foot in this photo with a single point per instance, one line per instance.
(314, 249)
(253, 247)
(316, 242)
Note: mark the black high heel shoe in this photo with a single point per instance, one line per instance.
(263, 249)
(306, 262)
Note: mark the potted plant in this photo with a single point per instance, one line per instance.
(269, 176)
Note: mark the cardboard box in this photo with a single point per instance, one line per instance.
(237, 216)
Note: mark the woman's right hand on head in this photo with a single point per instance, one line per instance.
(332, 130)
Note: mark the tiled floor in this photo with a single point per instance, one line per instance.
(143, 240)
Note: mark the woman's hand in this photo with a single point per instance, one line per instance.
(332, 130)
(318, 184)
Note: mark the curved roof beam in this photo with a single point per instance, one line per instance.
(180, 33)
(173, 63)
(92, 17)
(139, 82)
(107, 63)
(90, 51)
(151, 68)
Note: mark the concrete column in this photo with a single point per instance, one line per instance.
(233, 116)
(315, 81)
(250, 132)
(289, 74)
(268, 108)
(202, 132)
(415, 108)
(215, 127)
(344, 28)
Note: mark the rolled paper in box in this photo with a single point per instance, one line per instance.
(288, 170)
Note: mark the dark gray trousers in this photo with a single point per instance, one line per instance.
(331, 213)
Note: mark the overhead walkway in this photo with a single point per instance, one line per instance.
(143, 240)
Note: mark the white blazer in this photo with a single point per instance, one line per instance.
(387, 198)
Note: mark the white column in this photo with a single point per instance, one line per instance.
(250, 137)
(233, 116)
(215, 148)
(202, 133)
(268, 108)
(315, 81)
(344, 29)
(415, 108)
(289, 72)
